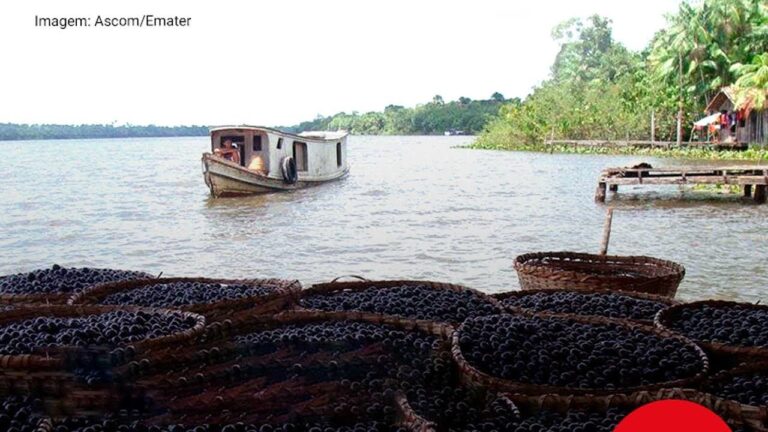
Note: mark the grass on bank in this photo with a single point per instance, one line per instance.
(751, 154)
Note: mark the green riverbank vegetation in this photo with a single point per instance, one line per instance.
(600, 90)
(432, 118)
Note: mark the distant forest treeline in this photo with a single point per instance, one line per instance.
(431, 118)
(10, 131)
(434, 117)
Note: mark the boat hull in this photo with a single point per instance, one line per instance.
(227, 179)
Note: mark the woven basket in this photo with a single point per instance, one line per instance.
(571, 270)
(642, 296)
(335, 287)
(58, 359)
(284, 294)
(475, 376)
(211, 397)
(416, 422)
(409, 419)
(565, 403)
(218, 346)
(753, 413)
(49, 298)
(665, 320)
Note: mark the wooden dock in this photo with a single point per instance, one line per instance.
(616, 144)
(611, 143)
(750, 177)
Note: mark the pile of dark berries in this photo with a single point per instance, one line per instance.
(414, 301)
(111, 329)
(59, 279)
(565, 353)
(19, 414)
(750, 388)
(609, 305)
(734, 324)
(571, 421)
(80, 425)
(185, 293)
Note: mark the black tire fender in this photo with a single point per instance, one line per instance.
(288, 167)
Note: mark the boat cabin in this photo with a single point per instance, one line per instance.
(316, 155)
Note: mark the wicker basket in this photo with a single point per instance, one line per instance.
(164, 366)
(284, 294)
(571, 270)
(564, 403)
(335, 287)
(665, 320)
(59, 358)
(642, 296)
(751, 413)
(475, 376)
(50, 298)
(206, 394)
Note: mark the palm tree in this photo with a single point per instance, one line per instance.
(752, 85)
(705, 41)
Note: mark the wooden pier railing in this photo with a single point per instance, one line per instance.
(643, 144)
(754, 176)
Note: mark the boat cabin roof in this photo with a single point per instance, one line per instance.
(321, 135)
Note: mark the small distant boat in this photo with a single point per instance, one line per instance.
(269, 160)
(454, 132)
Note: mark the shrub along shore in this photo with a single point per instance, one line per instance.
(698, 153)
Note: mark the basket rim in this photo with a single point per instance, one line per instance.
(521, 263)
(53, 360)
(96, 293)
(755, 412)
(62, 297)
(663, 320)
(561, 403)
(667, 301)
(510, 386)
(326, 288)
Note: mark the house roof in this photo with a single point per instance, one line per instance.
(725, 94)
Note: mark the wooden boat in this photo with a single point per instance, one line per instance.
(271, 160)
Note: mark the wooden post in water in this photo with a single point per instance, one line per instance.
(606, 232)
(748, 190)
(759, 194)
(680, 104)
(600, 192)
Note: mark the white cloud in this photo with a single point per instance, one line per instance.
(283, 62)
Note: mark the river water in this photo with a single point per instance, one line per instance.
(412, 208)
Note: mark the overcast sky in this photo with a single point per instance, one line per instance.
(281, 62)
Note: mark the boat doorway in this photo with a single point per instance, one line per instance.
(300, 155)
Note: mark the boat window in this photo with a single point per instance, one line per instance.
(338, 154)
(257, 143)
(300, 155)
(237, 140)
(279, 143)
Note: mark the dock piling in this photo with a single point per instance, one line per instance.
(600, 192)
(759, 194)
(748, 190)
(606, 231)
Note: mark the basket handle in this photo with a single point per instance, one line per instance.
(360, 278)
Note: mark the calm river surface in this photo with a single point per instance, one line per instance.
(412, 207)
